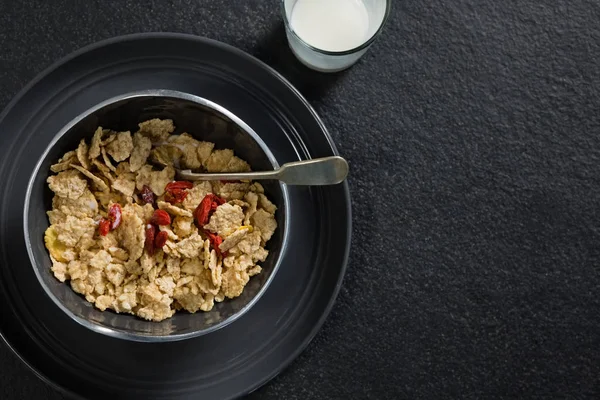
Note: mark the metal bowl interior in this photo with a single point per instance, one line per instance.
(205, 121)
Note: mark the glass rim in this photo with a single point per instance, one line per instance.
(367, 43)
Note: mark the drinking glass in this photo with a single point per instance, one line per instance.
(334, 61)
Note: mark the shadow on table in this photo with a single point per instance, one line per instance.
(274, 51)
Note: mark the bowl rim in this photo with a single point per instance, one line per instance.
(149, 338)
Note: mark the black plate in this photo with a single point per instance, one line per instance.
(224, 364)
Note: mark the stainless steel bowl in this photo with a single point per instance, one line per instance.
(201, 118)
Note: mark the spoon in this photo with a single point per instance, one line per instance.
(315, 172)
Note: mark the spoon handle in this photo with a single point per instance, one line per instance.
(315, 172)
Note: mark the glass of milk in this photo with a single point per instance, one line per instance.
(331, 35)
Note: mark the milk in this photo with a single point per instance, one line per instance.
(331, 25)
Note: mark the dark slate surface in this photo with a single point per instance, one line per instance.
(472, 132)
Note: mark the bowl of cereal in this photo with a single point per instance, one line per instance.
(127, 250)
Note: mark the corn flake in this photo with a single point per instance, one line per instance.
(183, 226)
(196, 194)
(124, 185)
(98, 183)
(56, 216)
(233, 282)
(120, 148)
(265, 222)
(232, 191)
(65, 162)
(94, 151)
(159, 179)
(204, 151)
(233, 239)
(82, 154)
(218, 160)
(174, 210)
(84, 206)
(266, 204)
(104, 170)
(68, 184)
(107, 161)
(189, 150)
(141, 150)
(157, 129)
(131, 232)
(225, 220)
(55, 247)
(60, 270)
(166, 155)
(73, 230)
(189, 247)
(236, 164)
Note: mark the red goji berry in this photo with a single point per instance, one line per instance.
(114, 215)
(160, 217)
(202, 211)
(175, 196)
(175, 192)
(148, 195)
(150, 234)
(178, 185)
(218, 200)
(161, 239)
(215, 241)
(209, 203)
(103, 226)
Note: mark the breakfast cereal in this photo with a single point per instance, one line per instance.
(130, 239)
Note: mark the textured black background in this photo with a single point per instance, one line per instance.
(472, 132)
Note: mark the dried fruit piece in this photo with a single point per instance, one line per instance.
(175, 196)
(219, 200)
(209, 203)
(161, 239)
(160, 217)
(215, 242)
(150, 237)
(104, 226)
(178, 185)
(114, 215)
(148, 195)
(175, 191)
(201, 214)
